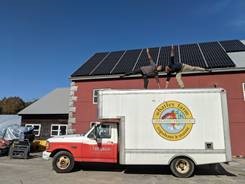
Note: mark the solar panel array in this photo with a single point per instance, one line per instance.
(127, 62)
(215, 56)
(108, 63)
(233, 45)
(87, 67)
(191, 55)
(207, 55)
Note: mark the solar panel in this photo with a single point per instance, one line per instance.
(191, 55)
(107, 65)
(127, 62)
(215, 56)
(233, 45)
(164, 55)
(209, 54)
(87, 67)
(143, 59)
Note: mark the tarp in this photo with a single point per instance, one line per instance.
(7, 121)
(10, 119)
(11, 132)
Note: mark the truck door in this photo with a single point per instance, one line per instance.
(101, 145)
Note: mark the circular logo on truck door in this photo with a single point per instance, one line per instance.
(172, 120)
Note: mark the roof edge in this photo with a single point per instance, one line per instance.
(117, 76)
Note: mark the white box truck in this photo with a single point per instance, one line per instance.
(177, 127)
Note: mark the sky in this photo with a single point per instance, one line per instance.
(42, 42)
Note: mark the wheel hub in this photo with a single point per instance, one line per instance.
(63, 162)
(182, 166)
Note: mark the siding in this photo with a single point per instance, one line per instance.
(46, 121)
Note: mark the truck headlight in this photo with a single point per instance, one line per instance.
(47, 145)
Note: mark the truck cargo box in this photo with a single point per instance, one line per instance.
(157, 126)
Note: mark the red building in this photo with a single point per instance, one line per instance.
(102, 71)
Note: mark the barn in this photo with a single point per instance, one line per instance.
(102, 71)
(48, 115)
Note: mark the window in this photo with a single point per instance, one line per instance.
(37, 128)
(104, 131)
(95, 95)
(58, 129)
(243, 89)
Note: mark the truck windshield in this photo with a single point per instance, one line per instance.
(92, 133)
(99, 131)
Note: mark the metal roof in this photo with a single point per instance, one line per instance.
(56, 102)
(216, 55)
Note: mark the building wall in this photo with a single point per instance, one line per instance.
(46, 121)
(84, 111)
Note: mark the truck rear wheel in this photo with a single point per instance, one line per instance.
(63, 162)
(182, 167)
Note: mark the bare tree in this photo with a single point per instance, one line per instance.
(11, 105)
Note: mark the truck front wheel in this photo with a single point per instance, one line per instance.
(63, 162)
(182, 167)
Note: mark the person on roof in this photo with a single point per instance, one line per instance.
(178, 68)
(147, 71)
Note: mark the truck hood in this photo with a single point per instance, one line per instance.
(67, 138)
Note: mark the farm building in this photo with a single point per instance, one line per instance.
(48, 115)
(103, 70)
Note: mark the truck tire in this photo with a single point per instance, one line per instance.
(182, 167)
(63, 162)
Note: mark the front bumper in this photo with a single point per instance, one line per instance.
(46, 155)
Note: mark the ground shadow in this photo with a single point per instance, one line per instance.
(31, 156)
(98, 167)
(4, 155)
(213, 169)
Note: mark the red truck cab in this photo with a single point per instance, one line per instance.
(99, 144)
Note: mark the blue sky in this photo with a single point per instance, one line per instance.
(42, 42)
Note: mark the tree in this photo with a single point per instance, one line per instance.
(30, 102)
(11, 105)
